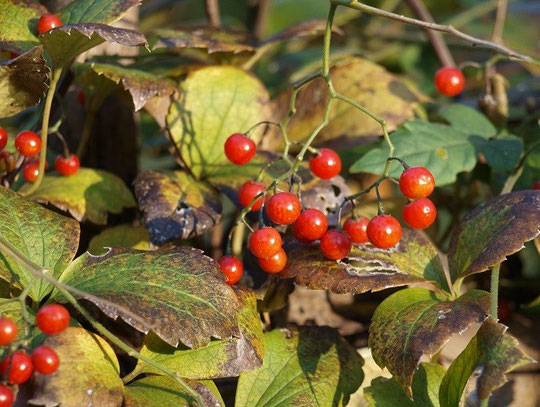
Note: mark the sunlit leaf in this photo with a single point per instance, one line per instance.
(125, 236)
(95, 11)
(18, 24)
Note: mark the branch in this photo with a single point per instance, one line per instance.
(212, 12)
(498, 28)
(260, 22)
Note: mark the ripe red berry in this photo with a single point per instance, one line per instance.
(283, 208)
(52, 319)
(265, 242)
(357, 229)
(310, 225)
(67, 166)
(449, 81)
(31, 171)
(536, 185)
(384, 231)
(6, 396)
(3, 138)
(48, 22)
(27, 143)
(81, 97)
(240, 149)
(8, 331)
(419, 214)
(232, 268)
(45, 360)
(248, 191)
(335, 244)
(275, 263)
(19, 366)
(13, 55)
(326, 164)
(416, 182)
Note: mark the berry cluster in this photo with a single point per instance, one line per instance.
(18, 366)
(28, 145)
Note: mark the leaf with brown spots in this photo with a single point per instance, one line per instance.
(492, 350)
(175, 205)
(18, 24)
(95, 11)
(367, 268)
(88, 373)
(493, 231)
(416, 322)
(127, 236)
(219, 359)
(178, 293)
(23, 81)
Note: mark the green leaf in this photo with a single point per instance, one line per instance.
(175, 205)
(501, 153)
(23, 81)
(225, 358)
(178, 293)
(416, 322)
(493, 231)
(468, 121)
(216, 101)
(88, 373)
(385, 392)
(44, 237)
(95, 11)
(366, 268)
(126, 236)
(18, 24)
(160, 391)
(304, 366)
(491, 350)
(87, 195)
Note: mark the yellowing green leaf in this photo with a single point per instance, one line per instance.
(18, 24)
(125, 236)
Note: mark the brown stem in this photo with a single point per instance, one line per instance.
(498, 28)
(212, 12)
(262, 14)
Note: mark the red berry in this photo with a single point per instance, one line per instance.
(356, 229)
(283, 208)
(265, 242)
(45, 360)
(81, 97)
(326, 164)
(67, 166)
(48, 22)
(384, 231)
(3, 138)
(335, 244)
(52, 319)
(19, 366)
(416, 182)
(275, 263)
(248, 191)
(13, 55)
(27, 143)
(8, 331)
(449, 81)
(310, 225)
(240, 149)
(419, 214)
(31, 171)
(536, 185)
(232, 268)
(504, 310)
(6, 396)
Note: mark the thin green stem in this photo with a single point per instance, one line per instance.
(86, 132)
(494, 289)
(327, 39)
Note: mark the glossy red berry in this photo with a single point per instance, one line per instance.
(67, 166)
(240, 149)
(536, 185)
(275, 263)
(265, 242)
(52, 319)
(326, 164)
(48, 22)
(384, 231)
(20, 367)
(449, 81)
(283, 208)
(335, 244)
(248, 191)
(357, 229)
(8, 331)
(416, 182)
(3, 138)
(45, 360)
(6, 396)
(310, 225)
(31, 171)
(27, 143)
(419, 214)
(232, 268)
